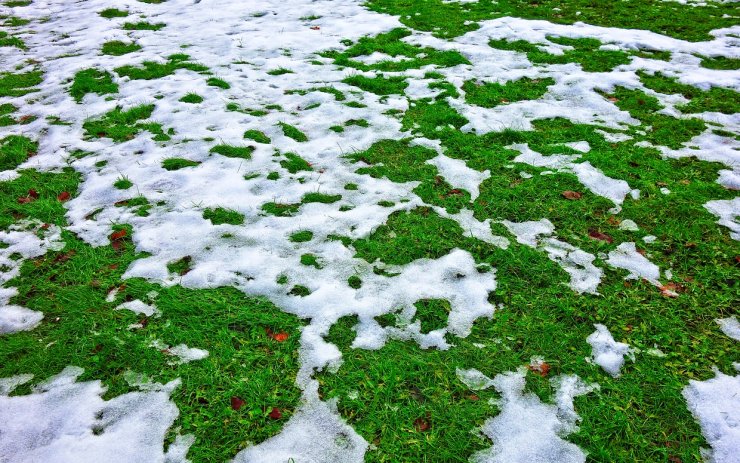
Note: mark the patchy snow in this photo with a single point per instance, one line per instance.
(139, 307)
(183, 353)
(730, 326)
(728, 212)
(67, 421)
(626, 257)
(715, 403)
(606, 352)
(314, 434)
(529, 430)
(474, 379)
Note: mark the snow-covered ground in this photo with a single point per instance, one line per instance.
(240, 42)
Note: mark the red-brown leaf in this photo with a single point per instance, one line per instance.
(120, 234)
(572, 195)
(275, 413)
(64, 196)
(280, 337)
(539, 368)
(33, 193)
(237, 403)
(597, 235)
(315, 28)
(422, 424)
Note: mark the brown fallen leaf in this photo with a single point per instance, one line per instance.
(539, 367)
(597, 235)
(572, 195)
(422, 424)
(275, 413)
(120, 234)
(237, 403)
(64, 196)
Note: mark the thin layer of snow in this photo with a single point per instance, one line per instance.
(715, 403)
(528, 430)
(474, 379)
(183, 353)
(67, 421)
(140, 307)
(728, 211)
(626, 257)
(606, 352)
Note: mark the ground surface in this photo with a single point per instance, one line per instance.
(337, 231)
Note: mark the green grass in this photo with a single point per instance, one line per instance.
(257, 136)
(118, 48)
(230, 151)
(192, 98)
(70, 286)
(279, 72)
(451, 19)
(15, 150)
(113, 13)
(379, 85)
(216, 82)
(142, 26)
(219, 216)
(155, 70)
(294, 163)
(7, 40)
(716, 99)
(92, 81)
(14, 85)
(489, 95)
(178, 163)
(121, 126)
(391, 43)
(123, 183)
(293, 132)
(301, 236)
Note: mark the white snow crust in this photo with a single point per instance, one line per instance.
(606, 352)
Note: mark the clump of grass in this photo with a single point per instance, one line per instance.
(299, 290)
(294, 163)
(354, 282)
(216, 82)
(432, 313)
(14, 85)
(154, 70)
(7, 40)
(293, 132)
(92, 81)
(310, 260)
(123, 183)
(257, 136)
(357, 122)
(320, 198)
(491, 94)
(379, 85)
(122, 125)
(118, 48)
(219, 216)
(113, 13)
(142, 26)
(279, 72)
(230, 151)
(192, 98)
(720, 63)
(178, 163)
(301, 236)
(280, 209)
(15, 150)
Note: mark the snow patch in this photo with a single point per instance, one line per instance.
(606, 352)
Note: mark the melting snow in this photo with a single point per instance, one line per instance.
(606, 352)
(730, 326)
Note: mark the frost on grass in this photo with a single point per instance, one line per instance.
(528, 430)
(606, 352)
(63, 420)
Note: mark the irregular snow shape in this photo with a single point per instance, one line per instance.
(728, 210)
(138, 306)
(457, 173)
(628, 225)
(591, 177)
(8, 385)
(626, 257)
(183, 353)
(14, 318)
(584, 276)
(528, 430)
(64, 421)
(474, 379)
(29, 239)
(606, 352)
(314, 434)
(730, 326)
(715, 403)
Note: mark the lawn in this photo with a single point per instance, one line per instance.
(369, 231)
